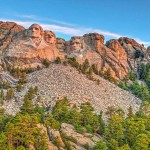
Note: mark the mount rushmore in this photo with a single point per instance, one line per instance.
(24, 48)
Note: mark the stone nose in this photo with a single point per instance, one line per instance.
(33, 29)
(75, 44)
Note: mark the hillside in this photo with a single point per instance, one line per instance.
(59, 81)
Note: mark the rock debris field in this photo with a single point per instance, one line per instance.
(58, 81)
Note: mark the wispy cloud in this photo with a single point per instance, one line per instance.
(73, 31)
(37, 18)
(146, 43)
(56, 28)
(67, 30)
(27, 16)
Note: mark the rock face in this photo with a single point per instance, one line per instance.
(7, 31)
(49, 143)
(110, 56)
(121, 56)
(25, 48)
(55, 134)
(82, 139)
(135, 52)
(30, 47)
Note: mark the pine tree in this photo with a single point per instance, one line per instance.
(100, 146)
(130, 112)
(10, 94)
(101, 124)
(142, 142)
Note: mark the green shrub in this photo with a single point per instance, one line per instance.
(132, 76)
(100, 146)
(73, 62)
(86, 146)
(67, 145)
(58, 60)
(89, 129)
(79, 129)
(46, 63)
(50, 121)
(123, 86)
(57, 141)
(70, 138)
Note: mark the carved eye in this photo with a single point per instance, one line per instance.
(77, 43)
(36, 28)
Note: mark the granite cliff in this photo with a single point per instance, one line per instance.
(26, 48)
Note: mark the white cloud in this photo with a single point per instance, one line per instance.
(53, 27)
(27, 16)
(34, 17)
(146, 43)
(105, 33)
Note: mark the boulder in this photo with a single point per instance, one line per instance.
(82, 139)
(55, 134)
(49, 143)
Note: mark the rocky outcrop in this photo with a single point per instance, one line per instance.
(121, 66)
(7, 31)
(135, 52)
(6, 77)
(82, 139)
(53, 134)
(49, 143)
(30, 47)
(110, 56)
(26, 48)
(148, 53)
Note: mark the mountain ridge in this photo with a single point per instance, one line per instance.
(28, 48)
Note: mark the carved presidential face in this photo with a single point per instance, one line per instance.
(35, 31)
(61, 44)
(49, 37)
(76, 44)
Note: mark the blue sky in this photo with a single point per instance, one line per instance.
(112, 18)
